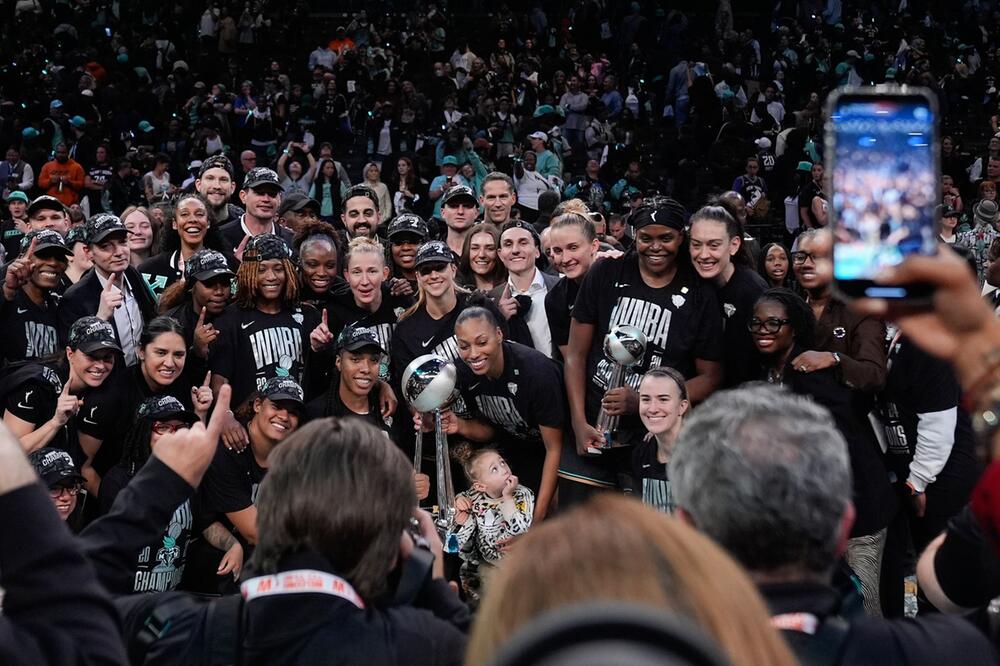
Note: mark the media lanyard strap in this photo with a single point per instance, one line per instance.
(300, 581)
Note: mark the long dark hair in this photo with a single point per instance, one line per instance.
(762, 264)
(136, 448)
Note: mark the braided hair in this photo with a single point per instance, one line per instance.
(248, 283)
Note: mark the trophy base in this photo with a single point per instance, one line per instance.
(611, 441)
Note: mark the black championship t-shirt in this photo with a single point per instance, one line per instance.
(651, 477)
(159, 565)
(254, 346)
(29, 331)
(682, 322)
(160, 271)
(559, 309)
(737, 297)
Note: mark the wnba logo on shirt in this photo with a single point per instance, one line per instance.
(501, 410)
(651, 318)
(272, 344)
(41, 339)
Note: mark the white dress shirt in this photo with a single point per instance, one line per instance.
(127, 320)
(537, 322)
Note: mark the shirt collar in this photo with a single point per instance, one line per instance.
(536, 283)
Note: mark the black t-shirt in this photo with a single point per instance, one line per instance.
(110, 411)
(195, 367)
(231, 482)
(527, 394)
(254, 346)
(100, 174)
(30, 393)
(159, 565)
(651, 477)
(737, 297)
(330, 404)
(160, 271)
(806, 195)
(421, 334)
(966, 566)
(682, 322)
(917, 384)
(30, 331)
(559, 303)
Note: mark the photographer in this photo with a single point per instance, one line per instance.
(334, 515)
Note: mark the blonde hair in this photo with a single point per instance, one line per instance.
(615, 549)
(362, 245)
(422, 298)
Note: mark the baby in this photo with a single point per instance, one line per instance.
(489, 514)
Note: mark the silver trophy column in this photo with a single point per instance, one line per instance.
(625, 347)
(428, 386)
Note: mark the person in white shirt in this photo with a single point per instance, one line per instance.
(524, 293)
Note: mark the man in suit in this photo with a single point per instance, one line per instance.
(522, 298)
(261, 194)
(113, 290)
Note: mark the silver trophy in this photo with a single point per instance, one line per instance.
(428, 386)
(625, 347)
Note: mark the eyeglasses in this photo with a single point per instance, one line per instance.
(769, 325)
(73, 491)
(801, 257)
(162, 428)
(427, 269)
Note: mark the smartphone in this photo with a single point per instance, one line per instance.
(883, 176)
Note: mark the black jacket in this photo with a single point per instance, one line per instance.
(931, 639)
(232, 234)
(84, 297)
(54, 609)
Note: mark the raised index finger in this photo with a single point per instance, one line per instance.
(31, 248)
(325, 319)
(111, 282)
(220, 413)
(201, 317)
(208, 379)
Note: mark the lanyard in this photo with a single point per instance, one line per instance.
(300, 581)
(805, 623)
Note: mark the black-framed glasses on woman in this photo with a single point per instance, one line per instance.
(72, 491)
(769, 325)
(800, 257)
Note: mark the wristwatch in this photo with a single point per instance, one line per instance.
(836, 358)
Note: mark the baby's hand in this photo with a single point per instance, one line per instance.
(509, 487)
(462, 507)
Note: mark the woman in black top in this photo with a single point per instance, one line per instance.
(574, 245)
(160, 565)
(319, 250)
(654, 288)
(265, 332)
(776, 265)
(782, 326)
(44, 399)
(663, 402)
(189, 231)
(721, 257)
(514, 396)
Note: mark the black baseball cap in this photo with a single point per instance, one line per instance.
(667, 211)
(295, 202)
(102, 225)
(90, 334)
(432, 252)
(206, 264)
(521, 224)
(266, 246)
(282, 388)
(55, 467)
(359, 191)
(216, 162)
(459, 192)
(45, 202)
(354, 338)
(45, 239)
(166, 408)
(947, 211)
(408, 223)
(259, 176)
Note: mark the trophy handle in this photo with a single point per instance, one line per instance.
(607, 425)
(445, 489)
(418, 452)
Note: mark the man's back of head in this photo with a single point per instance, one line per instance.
(766, 474)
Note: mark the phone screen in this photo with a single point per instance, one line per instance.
(884, 184)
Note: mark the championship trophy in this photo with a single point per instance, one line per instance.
(428, 385)
(625, 347)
